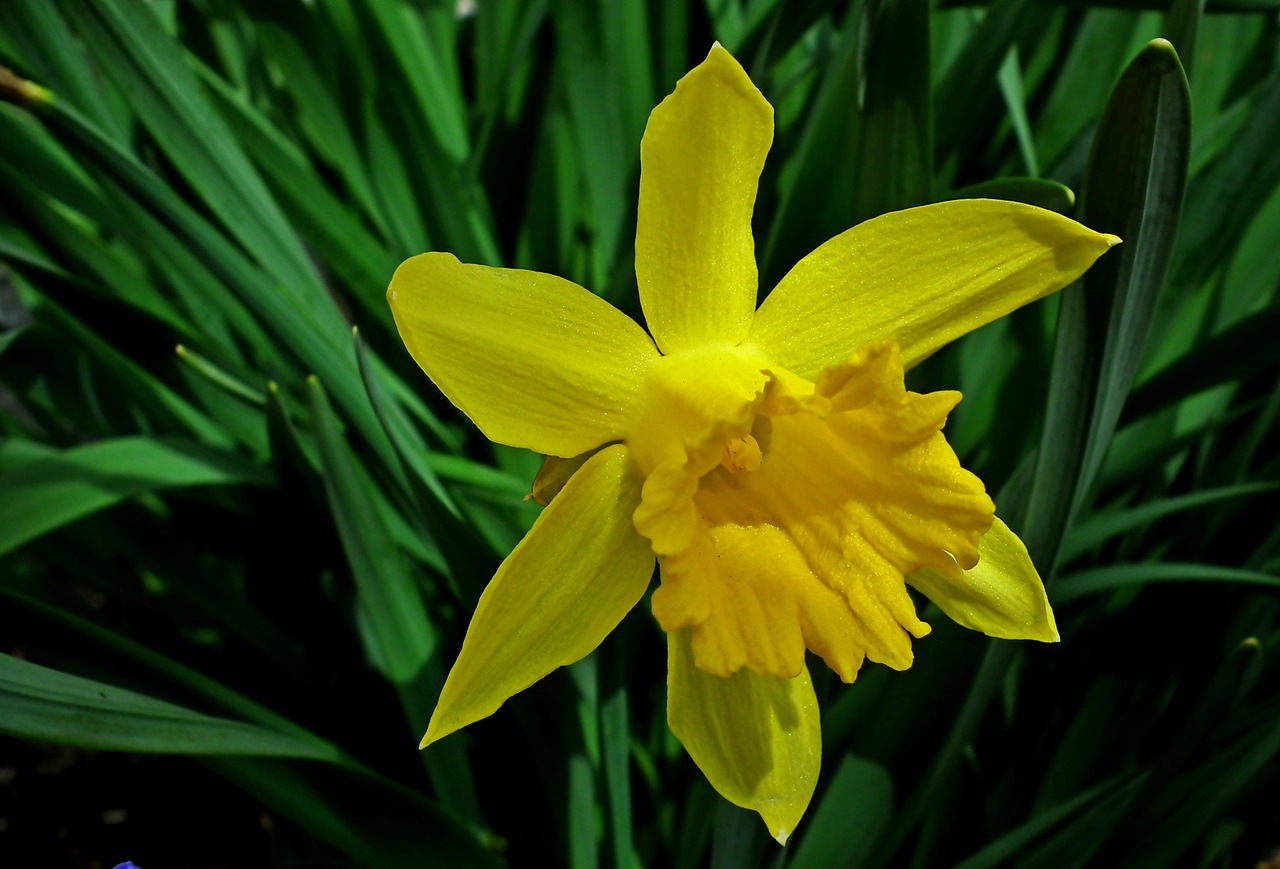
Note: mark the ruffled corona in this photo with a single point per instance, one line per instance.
(787, 513)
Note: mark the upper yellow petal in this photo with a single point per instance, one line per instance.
(579, 570)
(757, 739)
(1001, 596)
(924, 277)
(534, 360)
(700, 163)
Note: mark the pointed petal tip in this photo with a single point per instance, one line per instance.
(441, 726)
(780, 836)
(1111, 240)
(434, 734)
(1054, 637)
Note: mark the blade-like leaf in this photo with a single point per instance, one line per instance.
(44, 704)
(48, 494)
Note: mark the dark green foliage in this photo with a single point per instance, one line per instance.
(262, 550)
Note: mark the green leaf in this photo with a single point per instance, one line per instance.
(1094, 60)
(969, 86)
(855, 809)
(583, 763)
(166, 95)
(373, 819)
(356, 255)
(1075, 844)
(1013, 90)
(58, 60)
(468, 560)
(893, 159)
(43, 496)
(182, 677)
(1225, 197)
(608, 84)
(220, 378)
(394, 189)
(1014, 842)
(1182, 26)
(7, 337)
(1040, 192)
(319, 114)
(737, 839)
(1239, 351)
(427, 68)
(1133, 188)
(399, 637)
(39, 703)
(1101, 527)
(319, 341)
(1117, 576)
(615, 749)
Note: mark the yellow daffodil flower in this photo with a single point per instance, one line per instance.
(771, 460)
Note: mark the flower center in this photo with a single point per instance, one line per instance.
(786, 513)
(741, 455)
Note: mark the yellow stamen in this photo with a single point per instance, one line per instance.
(741, 455)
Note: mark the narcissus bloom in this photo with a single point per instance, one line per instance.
(771, 460)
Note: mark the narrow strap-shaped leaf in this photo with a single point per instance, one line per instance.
(468, 560)
(997, 853)
(1040, 192)
(1214, 789)
(894, 157)
(426, 69)
(1242, 349)
(318, 341)
(359, 258)
(373, 819)
(1225, 197)
(1102, 527)
(1133, 188)
(583, 762)
(43, 496)
(1182, 28)
(1117, 576)
(56, 57)
(319, 113)
(821, 164)
(167, 97)
(851, 814)
(1094, 58)
(188, 679)
(399, 637)
(615, 750)
(1075, 843)
(48, 705)
(606, 83)
(969, 85)
(1012, 88)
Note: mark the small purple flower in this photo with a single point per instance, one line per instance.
(127, 864)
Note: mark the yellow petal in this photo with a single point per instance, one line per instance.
(579, 570)
(1002, 596)
(552, 476)
(534, 360)
(700, 162)
(924, 276)
(757, 739)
